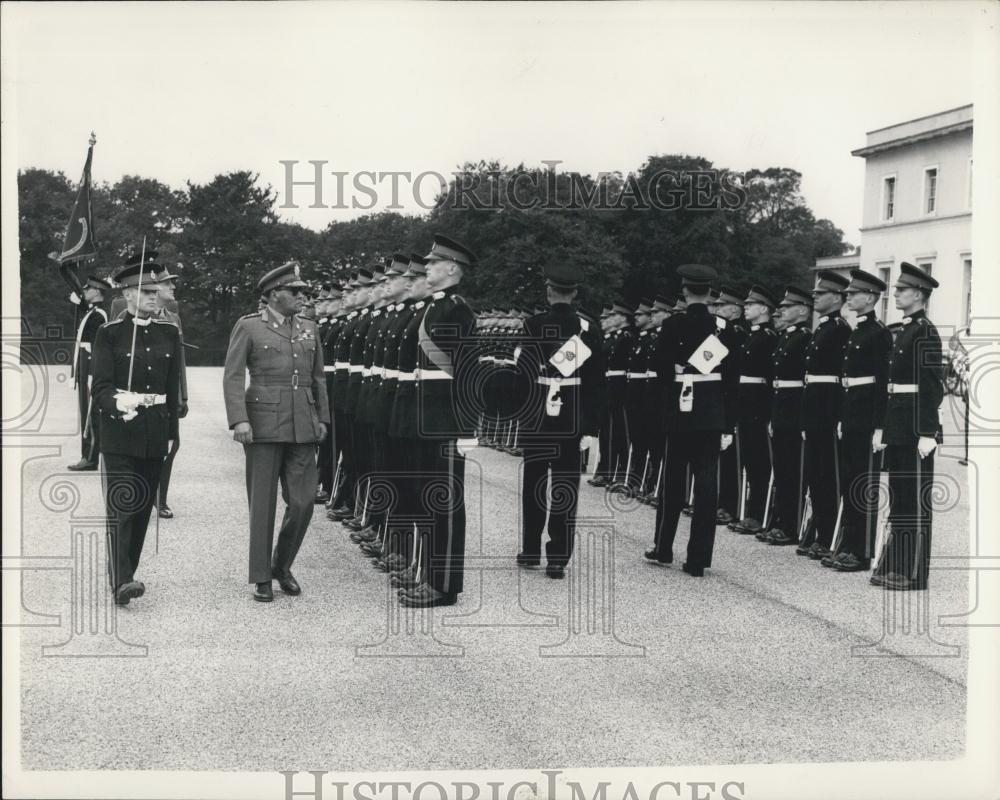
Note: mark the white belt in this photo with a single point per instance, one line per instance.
(378, 372)
(544, 381)
(405, 376)
(146, 399)
(698, 378)
(637, 376)
(366, 372)
(355, 368)
(614, 373)
(389, 374)
(849, 383)
(903, 388)
(328, 369)
(85, 346)
(341, 364)
(432, 375)
(753, 380)
(822, 379)
(787, 384)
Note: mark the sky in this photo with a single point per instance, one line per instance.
(184, 91)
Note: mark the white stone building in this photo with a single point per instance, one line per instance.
(918, 208)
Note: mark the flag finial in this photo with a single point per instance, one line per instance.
(93, 138)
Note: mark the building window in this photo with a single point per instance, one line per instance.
(888, 198)
(884, 273)
(930, 190)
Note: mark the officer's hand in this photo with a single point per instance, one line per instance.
(877, 445)
(322, 431)
(243, 433)
(588, 442)
(466, 446)
(727, 439)
(840, 430)
(926, 445)
(74, 298)
(182, 410)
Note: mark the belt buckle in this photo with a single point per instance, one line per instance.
(295, 381)
(148, 399)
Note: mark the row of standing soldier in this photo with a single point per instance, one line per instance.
(393, 376)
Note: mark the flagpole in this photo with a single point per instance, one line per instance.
(138, 297)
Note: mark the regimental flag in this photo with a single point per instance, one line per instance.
(78, 241)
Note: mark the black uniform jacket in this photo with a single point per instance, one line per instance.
(447, 404)
(789, 363)
(915, 360)
(824, 357)
(755, 362)
(866, 356)
(714, 402)
(155, 371)
(574, 399)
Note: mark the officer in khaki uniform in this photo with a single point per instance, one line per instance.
(278, 419)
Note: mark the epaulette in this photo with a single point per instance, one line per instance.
(251, 314)
(111, 322)
(457, 298)
(159, 321)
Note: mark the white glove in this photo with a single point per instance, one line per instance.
(770, 430)
(727, 439)
(803, 436)
(127, 403)
(840, 430)
(74, 298)
(877, 445)
(926, 445)
(588, 443)
(465, 446)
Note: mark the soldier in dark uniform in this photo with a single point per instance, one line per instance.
(864, 376)
(789, 370)
(601, 468)
(655, 403)
(165, 298)
(821, 411)
(278, 418)
(135, 391)
(618, 349)
(353, 300)
(754, 406)
(729, 306)
(909, 434)
(324, 451)
(696, 349)
(446, 420)
(404, 428)
(560, 356)
(89, 317)
(637, 377)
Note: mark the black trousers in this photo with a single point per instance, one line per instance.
(638, 438)
(342, 441)
(90, 444)
(755, 451)
(907, 551)
(789, 481)
(130, 486)
(657, 446)
(700, 451)
(859, 494)
(442, 502)
(730, 476)
(560, 459)
(401, 462)
(618, 441)
(168, 467)
(823, 479)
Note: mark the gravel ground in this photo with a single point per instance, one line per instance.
(769, 659)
